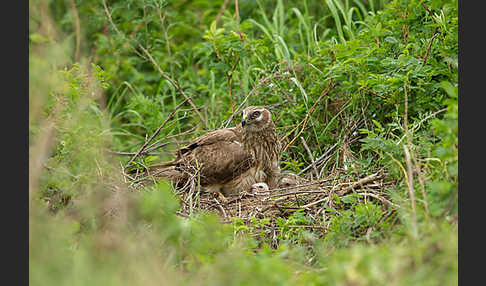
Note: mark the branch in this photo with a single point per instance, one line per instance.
(313, 163)
(427, 52)
(433, 37)
(309, 113)
(319, 159)
(408, 161)
(155, 133)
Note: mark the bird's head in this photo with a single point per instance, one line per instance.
(256, 118)
(288, 179)
(259, 187)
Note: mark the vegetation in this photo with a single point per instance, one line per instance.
(376, 79)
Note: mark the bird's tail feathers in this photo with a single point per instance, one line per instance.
(165, 170)
(168, 172)
(164, 164)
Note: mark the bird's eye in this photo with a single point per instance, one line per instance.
(260, 187)
(255, 114)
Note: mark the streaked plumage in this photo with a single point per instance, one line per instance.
(230, 160)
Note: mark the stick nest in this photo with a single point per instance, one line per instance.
(311, 196)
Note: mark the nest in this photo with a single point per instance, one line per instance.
(316, 199)
(309, 196)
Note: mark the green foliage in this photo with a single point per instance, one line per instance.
(289, 229)
(444, 188)
(86, 221)
(353, 224)
(422, 262)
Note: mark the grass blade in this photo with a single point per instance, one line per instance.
(337, 20)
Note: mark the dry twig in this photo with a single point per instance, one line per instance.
(313, 163)
(155, 133)
(309, 113)
(434, 34)
(407, 160)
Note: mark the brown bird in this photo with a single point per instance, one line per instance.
(229, 160)
(289, 180)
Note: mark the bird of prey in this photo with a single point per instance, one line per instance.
(229, 160)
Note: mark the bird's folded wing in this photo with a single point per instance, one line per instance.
(221, 161)
(219, 155)
(220, 135)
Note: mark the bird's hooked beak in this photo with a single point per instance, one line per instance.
(243, 119)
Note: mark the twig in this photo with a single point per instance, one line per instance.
(427, 117)
(404, 28)
(429, 46)
(156, 132)
(410, 154)
(173, 136)
(300, 193)
(379, 198)
(417, 125)
(237, 15)
(324, 165)
(299, 186)
(305, 226)
(315, 203)
(407, 159)
(275, 105)
(310, 156)
(120, 153)
(410, 184)
(150, 149)
(319, 159)
(174, 83)
(372, 92)
(427, 8)
(125, 175)
(433, 36)
(420, 177)
(309, 113)
(233, 200)
(221, 208)
(362, 181)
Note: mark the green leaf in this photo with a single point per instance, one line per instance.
(449, 88)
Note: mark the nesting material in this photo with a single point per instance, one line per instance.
(295, 193)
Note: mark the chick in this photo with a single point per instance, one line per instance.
(259, 187)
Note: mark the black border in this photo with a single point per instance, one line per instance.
(471, 144)
(15, 141)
